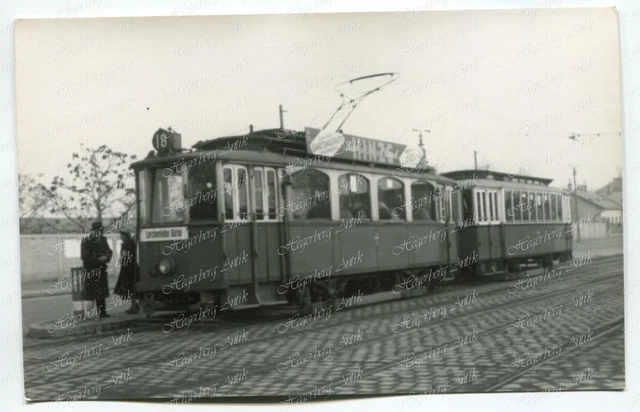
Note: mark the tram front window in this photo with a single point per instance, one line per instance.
(168, 204)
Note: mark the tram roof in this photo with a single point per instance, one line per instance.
(281, 148)
(498, 180)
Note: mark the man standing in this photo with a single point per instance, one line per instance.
(96, 253)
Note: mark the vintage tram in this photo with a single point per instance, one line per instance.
(511, 223)
(264, 219)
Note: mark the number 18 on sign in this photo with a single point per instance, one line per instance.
(166, 141)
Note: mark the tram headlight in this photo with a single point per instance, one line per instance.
(166, 266)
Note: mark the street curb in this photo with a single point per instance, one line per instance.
(43, 294)
(51, 330)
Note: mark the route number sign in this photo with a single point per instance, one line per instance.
(166, 141)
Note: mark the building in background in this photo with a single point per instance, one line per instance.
(598, 214)
(613, 190)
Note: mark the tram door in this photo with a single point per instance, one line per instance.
(266, 227)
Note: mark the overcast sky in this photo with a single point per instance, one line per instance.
(511, 86)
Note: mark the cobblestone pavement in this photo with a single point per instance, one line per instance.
(554, 333)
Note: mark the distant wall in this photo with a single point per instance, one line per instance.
(591, 230)
(51, 257)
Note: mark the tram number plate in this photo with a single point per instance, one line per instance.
(163, 234)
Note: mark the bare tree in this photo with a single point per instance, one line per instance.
(33, 201)
(98, 185)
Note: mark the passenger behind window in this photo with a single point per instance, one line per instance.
(345, 210)
(384, 212)
(423, 214)
(320, 210)
(360, 210)
(397, 204)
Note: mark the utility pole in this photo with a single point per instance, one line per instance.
(475, 160)
(574, 137)
(421, 144)
(282, 118)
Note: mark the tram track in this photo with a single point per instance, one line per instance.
(602, 332)
(518, 301)
(568, 290)
(501, 328)
(436, 300)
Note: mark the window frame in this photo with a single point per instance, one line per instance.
(264, 172)
(487, 206)
(235, 187)
(380, 178)
(371, 181)
(432, 206)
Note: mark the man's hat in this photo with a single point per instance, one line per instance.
(96, 226)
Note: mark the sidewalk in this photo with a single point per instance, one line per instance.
(609, 246)
(81, 325)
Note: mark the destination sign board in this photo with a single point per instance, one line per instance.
(344, 146)
(163, 234)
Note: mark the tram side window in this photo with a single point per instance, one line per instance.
(203, 202)
(531, 206)
(508, 206)
(467, 206)
(423, 201)
(271, 193)
(227, 174)
(455, 205)
(391, 199)
(525, 205)
(444, 204)
(264, 187)
(491, 207)
(447, 205)
(310, 197)
(355, 196)
(554, 207)
(546, 206)
(243, 193)
(558, 201)
(479, 210)
(258, 192)
(540, 208)
(485, 213)
(236, 192)
(517, 207)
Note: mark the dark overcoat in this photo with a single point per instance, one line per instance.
(96, 284)
(127, 278)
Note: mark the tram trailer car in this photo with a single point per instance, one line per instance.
(254, 220)
(511, 223)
